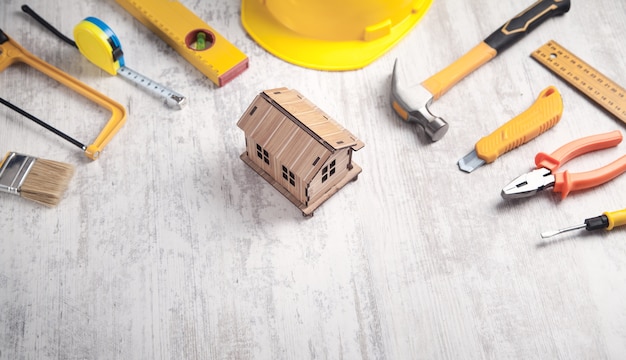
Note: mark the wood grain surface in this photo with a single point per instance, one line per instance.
(170, 247)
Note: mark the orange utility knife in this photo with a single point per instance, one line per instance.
(541, 116)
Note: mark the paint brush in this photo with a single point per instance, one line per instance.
(40, 180)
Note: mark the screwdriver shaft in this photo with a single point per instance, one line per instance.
(549, 234)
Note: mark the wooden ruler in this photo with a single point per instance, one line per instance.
(585, 78)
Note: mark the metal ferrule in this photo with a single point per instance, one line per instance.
(14, 171)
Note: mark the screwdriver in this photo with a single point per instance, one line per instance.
(607, 221)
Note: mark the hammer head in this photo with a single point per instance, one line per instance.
(411, 103)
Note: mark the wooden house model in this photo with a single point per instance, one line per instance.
(297, 148)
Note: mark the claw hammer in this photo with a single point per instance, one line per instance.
(411, 102)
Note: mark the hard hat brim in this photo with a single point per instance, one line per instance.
(317, 54)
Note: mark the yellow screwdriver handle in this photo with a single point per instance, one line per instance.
(616, 218)
(541, 116)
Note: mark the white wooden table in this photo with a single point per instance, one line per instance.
(170, 247)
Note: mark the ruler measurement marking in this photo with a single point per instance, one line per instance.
(584, 77)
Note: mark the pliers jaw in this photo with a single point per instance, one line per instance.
(529, 184)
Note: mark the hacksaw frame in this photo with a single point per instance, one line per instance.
(11, 53)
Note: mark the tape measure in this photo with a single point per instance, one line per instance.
(585, 78)
(99, 44)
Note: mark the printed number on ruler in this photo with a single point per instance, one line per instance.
(584, 77)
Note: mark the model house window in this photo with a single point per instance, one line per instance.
(328, 171)
(289, 176)
(262, 154)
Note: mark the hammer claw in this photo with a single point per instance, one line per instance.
(411, 104)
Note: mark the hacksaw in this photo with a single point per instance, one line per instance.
(11, 53)
(191, 37)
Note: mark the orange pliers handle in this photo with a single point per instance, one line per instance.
(565, 182)
(11, 52)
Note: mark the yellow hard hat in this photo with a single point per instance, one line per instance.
(330, 34)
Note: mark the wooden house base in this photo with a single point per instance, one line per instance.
(351, 175)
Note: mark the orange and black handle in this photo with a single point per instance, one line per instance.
(508, 34)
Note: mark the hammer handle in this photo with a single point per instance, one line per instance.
(445, 79)
(514, 29)
(505, 36)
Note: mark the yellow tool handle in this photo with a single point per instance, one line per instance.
(445, 79)
(505, 36)
(616, 218)
(541, 116)
(11, 52)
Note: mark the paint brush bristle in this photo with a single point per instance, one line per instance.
(46, 181)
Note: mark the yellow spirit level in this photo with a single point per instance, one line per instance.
(191, 37)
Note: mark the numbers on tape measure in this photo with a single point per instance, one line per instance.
(584, 77)
(172, 98)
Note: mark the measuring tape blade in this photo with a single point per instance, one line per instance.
(172, 98)
(584, 77)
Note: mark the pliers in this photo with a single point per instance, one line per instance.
(545, 175)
